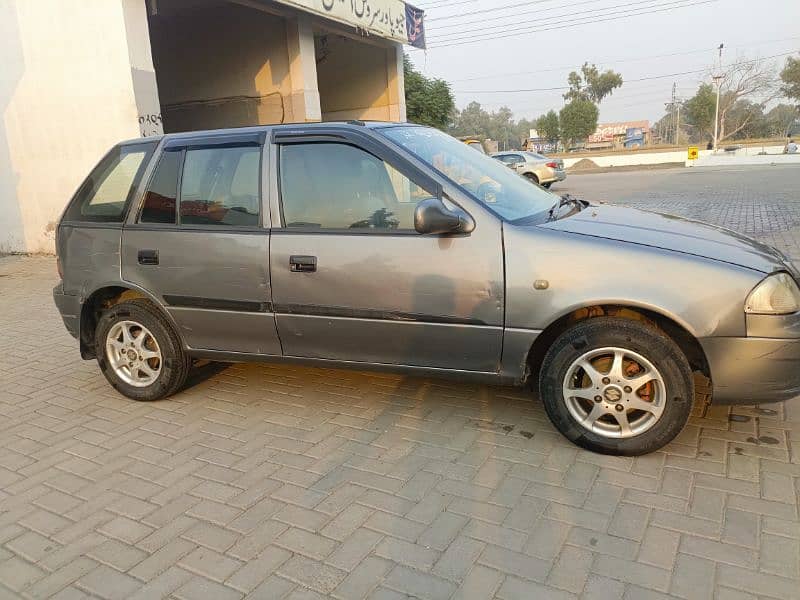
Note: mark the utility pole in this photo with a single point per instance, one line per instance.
(718, 82)
(674, 121)
(675, 113)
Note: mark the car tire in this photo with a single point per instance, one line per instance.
(591, 405)
(139, 352)
(532, 177)
(547, 185)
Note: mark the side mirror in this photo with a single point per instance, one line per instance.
(432, 216)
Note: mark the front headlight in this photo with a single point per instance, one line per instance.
(778, 294)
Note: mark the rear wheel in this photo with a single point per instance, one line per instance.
(616, 386)
(138, 351)
(547, 185)
(532, 177)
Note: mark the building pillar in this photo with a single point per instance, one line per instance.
(304, 95)
(396, 83)
(143, 75)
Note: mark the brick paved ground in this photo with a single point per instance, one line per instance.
(285, 482)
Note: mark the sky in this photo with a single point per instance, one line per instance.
(488, 54)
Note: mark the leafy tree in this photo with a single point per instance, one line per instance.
(501, 127)
(592, 84)
(548, 126)
(523, 131)
(578, 120)
(429, 101)
(699, 110)
(751, 116)
(781, 119)
(790, 76)
(473, 120)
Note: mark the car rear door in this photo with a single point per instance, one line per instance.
(352, 280)
(199, 242)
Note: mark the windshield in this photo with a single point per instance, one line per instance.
(501, 189)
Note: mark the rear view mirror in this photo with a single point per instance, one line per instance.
(432, 216)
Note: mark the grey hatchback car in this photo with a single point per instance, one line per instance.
(398, 247)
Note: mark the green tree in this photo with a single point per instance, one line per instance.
(473, 120)
(781, 119)
(501, 127)
(523, 131)
(592, 84)
(698, 112)
(578, 120)
(790, 76)
(429, 101)
(548, 126)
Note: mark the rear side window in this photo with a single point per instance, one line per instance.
(220, 186)
(104, 195)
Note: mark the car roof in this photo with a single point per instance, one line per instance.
(356, 124)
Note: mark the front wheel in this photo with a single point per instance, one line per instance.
(616, 386)
(138, 351)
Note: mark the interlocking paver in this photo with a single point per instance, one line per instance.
(283, 481)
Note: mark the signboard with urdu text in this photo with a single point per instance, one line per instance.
(393, 19)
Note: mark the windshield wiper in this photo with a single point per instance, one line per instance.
(565, 200)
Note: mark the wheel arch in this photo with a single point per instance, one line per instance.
(104, 297)
(677, 331)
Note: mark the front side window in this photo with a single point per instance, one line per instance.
(104, 195)
(220, 186)
(338, 186)
(499, 188)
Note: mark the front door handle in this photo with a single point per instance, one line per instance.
(302, 264)
(148, 257)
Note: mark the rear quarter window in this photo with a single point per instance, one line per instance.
(105, 194)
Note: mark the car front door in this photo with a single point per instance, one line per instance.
(351, 278)
(199, 242)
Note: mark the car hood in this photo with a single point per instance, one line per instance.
(672, 233)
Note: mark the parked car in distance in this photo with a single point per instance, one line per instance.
(395, 246)
(536, 167)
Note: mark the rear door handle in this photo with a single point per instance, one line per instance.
(148, 257)
(302, 264)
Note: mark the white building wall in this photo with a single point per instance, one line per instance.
(66, 96)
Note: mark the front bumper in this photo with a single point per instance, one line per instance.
(753, 370)
(70, 308)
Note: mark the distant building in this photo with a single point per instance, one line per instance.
(627, 134)
(536, 143)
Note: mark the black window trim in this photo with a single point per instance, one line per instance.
(183, 145)
(366, 144)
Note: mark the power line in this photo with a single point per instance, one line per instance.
(437, 26)
(446, 4)
(568, 17)
(621, 60)
(495, 9)
(589, 16)
(517, 33)
(649, 78)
